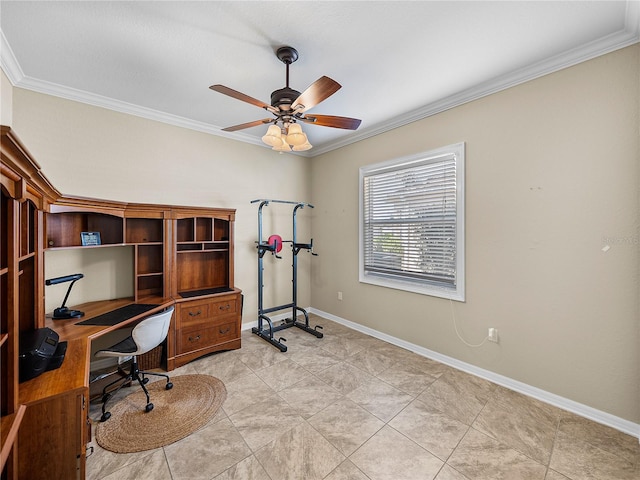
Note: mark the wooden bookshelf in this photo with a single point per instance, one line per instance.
(182, 256)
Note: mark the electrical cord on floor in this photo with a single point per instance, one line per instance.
(453, 315)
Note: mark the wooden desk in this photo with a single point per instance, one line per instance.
(55, 429)
(70, 330)
(180, 252)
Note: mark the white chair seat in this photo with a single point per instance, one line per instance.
(145, 336)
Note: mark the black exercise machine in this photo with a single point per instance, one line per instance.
(274, 246)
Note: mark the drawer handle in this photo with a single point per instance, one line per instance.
(194, 339)
(191, 314)
(225, 331)
(225, 308)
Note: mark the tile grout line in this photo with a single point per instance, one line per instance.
(553, 446)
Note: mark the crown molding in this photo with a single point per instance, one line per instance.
(623, 38)
(610, 43)
(16, 76)
(9, 62)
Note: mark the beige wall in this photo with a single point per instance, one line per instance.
(94, 152)
(552, 176)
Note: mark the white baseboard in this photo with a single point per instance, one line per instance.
(582, 410)
(274, 319)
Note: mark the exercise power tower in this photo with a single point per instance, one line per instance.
(274, 246)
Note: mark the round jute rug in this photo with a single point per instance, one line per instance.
(188, 406)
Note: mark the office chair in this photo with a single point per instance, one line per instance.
(145, 336)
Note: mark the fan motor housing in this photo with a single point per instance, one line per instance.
(284, 97)
(287, 55)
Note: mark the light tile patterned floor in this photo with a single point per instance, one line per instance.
(351, 407)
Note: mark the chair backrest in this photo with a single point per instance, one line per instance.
(151, 331)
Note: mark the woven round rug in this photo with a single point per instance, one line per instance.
(189, 405)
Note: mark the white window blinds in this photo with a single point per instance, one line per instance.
(410, 221)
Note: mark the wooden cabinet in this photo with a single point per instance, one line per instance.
(53, 437)
(24, 193)
(180, 252)
(184, 253)
(209, 325)
(54, 431)
(209, 309)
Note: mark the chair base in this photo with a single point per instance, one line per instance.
(135, 374)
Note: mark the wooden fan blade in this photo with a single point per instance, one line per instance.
(333, 121)
(248, 125)
(239, 96)
(319, 90)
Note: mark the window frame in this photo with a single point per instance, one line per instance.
(424, 287)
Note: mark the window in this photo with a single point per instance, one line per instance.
(412, 223)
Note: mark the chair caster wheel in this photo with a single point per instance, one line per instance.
(105, 416)
(169, 386)
(145, 381)
(149, 407)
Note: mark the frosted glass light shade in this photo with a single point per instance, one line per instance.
(295, 136)
(282, 147)
(273, 137)
(303, 147)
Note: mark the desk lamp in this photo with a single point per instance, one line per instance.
(62, 311)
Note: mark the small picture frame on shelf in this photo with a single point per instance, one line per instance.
(90, 238)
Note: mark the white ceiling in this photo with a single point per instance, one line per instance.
(397, 61)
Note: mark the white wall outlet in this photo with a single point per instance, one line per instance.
(339, 295)
(493, 335)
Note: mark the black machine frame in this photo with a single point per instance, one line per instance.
(272, 247)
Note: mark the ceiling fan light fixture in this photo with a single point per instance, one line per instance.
(303, 147)
(282, 147)
(295, 135)
(288, 106)
(273, 136)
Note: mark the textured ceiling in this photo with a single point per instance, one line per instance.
(396, 61)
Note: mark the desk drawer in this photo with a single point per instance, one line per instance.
(226, 331)
(199, 312)
(193, 313)
(206, 323)
(224, 307)
(196, 339)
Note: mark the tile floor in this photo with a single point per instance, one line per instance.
(352, 407)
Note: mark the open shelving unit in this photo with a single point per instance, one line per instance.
(116, 228)
(63, 229)
(202, 249)
(147, 236)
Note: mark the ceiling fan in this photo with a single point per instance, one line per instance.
(289, 107)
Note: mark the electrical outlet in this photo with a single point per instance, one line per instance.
(493, 335)
(339, 295)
